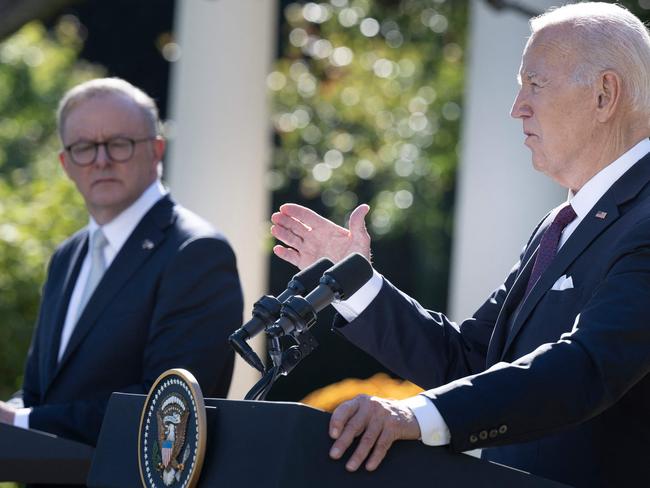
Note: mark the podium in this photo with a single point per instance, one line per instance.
(30, 456)
(285, 445)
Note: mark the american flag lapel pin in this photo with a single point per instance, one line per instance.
(147, 244)
(601, 215)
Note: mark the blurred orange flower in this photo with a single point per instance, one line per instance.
(381, 385)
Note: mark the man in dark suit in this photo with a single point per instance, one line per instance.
(145, 287)
(550, 375)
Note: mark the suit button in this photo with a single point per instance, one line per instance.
(493, 433)
(483, 435)
(503, 429)
(473, 439)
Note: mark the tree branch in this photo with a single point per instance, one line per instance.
(514, 6)
(16, 13)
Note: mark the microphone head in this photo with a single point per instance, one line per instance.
(308, 278)
(348, 275)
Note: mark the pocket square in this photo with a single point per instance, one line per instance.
(564, 282)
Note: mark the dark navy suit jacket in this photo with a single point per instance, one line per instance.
(168, 300)
(558, 384)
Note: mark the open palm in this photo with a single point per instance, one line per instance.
(308, 236)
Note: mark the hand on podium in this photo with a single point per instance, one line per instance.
(378, 422)
(7, 413)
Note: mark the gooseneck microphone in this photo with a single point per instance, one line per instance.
(267, 309)
(338, 283)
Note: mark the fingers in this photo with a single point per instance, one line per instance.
(378, 422)
(358, 231)
(357, 218)
(350, 420)
(285, 235)
(290, 223)
(306, 216)
(341, 415)
(379, 452)
(372, 432)
(290, 255)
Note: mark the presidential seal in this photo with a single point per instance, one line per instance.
(171, 441)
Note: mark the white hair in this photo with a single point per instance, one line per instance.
(608, 37)
(104, 87)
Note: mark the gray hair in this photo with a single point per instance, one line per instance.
(104, 87)
(609, 37)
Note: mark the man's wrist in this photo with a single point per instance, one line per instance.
(433, 428)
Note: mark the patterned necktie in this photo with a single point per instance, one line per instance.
(548, 246)
(97, 267)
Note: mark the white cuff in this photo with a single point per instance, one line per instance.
(433, 429)
(351, 308)
(21, 418)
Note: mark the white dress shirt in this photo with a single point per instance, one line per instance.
(117, 231)
(433, 428)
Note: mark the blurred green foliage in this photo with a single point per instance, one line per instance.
(367, 102)
(39, 207)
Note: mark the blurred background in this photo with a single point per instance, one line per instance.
(402, 104)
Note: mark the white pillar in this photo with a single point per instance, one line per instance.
(500, 197)
(221, 138)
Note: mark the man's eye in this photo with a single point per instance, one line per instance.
(119, 143)
(82, 147)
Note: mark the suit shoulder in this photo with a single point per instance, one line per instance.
(70, 243)
(189, 227)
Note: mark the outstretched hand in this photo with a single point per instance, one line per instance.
(379, 422)
(308, 236)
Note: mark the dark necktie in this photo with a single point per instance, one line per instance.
(548, 246)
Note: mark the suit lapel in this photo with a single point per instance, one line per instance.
(510, 304)
(59, 313)
(623, 190)
(142, 243)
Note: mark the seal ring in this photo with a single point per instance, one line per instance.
(172, 435)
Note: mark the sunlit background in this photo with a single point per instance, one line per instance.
(367, 101)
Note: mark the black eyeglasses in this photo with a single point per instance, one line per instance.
(118, 149)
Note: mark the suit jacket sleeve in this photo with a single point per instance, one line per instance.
(31, 380)
(421, 345)
(198, 304)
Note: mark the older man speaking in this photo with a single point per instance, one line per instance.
(550, 375)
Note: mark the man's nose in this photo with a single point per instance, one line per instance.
(102, 158)
(520, 107)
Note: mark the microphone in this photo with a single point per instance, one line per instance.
(267, 309)
(338, 283)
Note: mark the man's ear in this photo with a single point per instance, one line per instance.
(64, 163)
(159, 145)
(608, 92)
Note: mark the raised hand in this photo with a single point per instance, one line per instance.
(309, 237)
(379, 422)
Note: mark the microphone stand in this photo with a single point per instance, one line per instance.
(284, 360)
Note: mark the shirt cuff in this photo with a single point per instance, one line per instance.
(433, 429)
(21, 418)
(351, 308)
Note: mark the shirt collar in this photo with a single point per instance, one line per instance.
(118, 230)
(583, 201)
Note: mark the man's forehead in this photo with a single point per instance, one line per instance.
(104, 107)
(544, 54)
(104, 116)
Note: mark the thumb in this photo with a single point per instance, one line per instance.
(357, 222)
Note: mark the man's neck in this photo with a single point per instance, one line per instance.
(613, 146)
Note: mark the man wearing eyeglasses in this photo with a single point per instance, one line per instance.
(145, 287)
